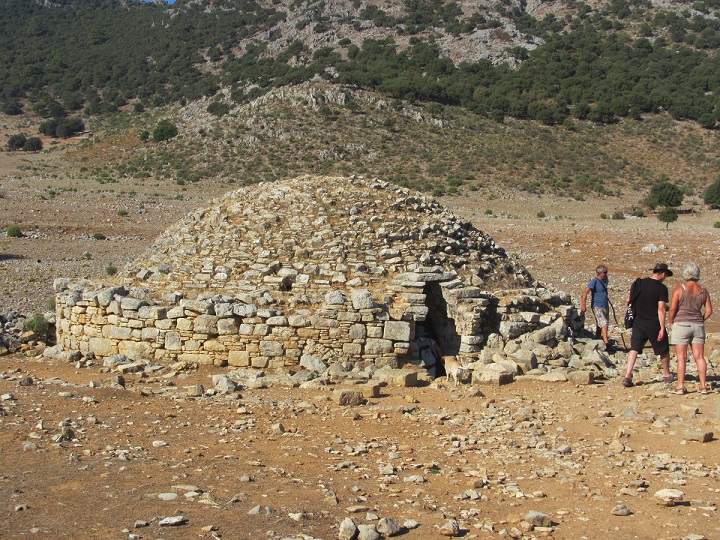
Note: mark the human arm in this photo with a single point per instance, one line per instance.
(708, 306)
(661, 317)
(583, 302)
(674, 302)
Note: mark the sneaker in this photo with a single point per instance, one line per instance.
(627, 382)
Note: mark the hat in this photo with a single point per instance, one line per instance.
(662, 267)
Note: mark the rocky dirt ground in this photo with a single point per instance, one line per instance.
(80, 458)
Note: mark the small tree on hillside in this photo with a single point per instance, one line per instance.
(664, 194)
(712, 194)
(164, 130)
(668, 215)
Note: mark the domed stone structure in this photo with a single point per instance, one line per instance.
(281, 274)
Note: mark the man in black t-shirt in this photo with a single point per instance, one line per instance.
(649, 308)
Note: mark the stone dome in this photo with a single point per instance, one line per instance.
(328, 269)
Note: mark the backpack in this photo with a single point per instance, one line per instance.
(630, 313)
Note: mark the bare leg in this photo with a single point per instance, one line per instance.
(605, 334)
(665, 359)
(698, 352)
(681, 352)
(632, 356)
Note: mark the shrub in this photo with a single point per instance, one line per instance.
(488, 212)
(13, 231)
(39, 325)
(712, 194)
(122, 212)
(111, 270)
(218, 108)
(603, 216)
(164, 130)
(33, 144)
(618, 215)
(144, 136)
(717, 225)
(51, 303)
(16, 142)
(638, 212)
(99, 236)
(540, 214)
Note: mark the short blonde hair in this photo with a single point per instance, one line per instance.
(691, 272)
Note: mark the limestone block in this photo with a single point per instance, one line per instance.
(135, 323)
(297, 321)
(185, 324)
(105, 296)
(554, 376)
(271, 348)
(149, 334)
(357, 331)
(173, 341)
(492, 377)
(245, 310)
(205, 324)
(378, 346)
(227, 326)
(397, 330)
(349, 398)
(239, 358)
(197, 306)
(152, 312)
(352, 349)
(261, 330)
(312, 363)
(101, 347)
(259, 361)
(131, 304)
(175, 313)
(581, 377)
(512, 329)
(116, 332)
(214, 345)
(136, 350)
(362, 299)
(525, 359)
(277, 320)
(223, 309)
(398, 377)
(246, 329)
(206, 359)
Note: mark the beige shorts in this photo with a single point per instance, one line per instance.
(685, 333)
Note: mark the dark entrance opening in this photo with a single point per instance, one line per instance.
(438, 325)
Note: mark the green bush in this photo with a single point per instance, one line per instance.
(540, 214)
(39, 325)
(712, 194)
(668, 215)
(603, 216)
(717, 225)
(111, 270)
(13, 231)
(488, 212)
(16, 142)
(164, 130)
(51, 303)
(218, 108)
(99, 236)
(618, 215)
(638, 212)
(122, 212)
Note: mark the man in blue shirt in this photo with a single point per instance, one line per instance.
(600, 305)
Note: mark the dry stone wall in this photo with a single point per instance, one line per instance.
(315, 269)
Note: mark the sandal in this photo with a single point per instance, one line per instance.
(704, 391)
(670, 378)
(678, 391)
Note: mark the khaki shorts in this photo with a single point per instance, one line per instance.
(685, 333)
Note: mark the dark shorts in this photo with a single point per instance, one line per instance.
(642, 332)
